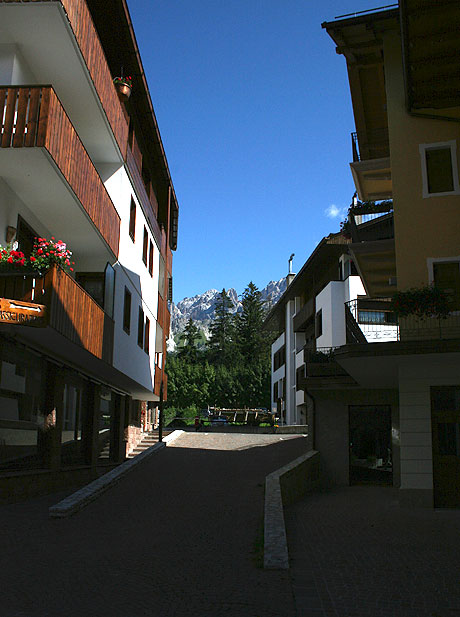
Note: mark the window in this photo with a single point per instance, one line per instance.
(127, 312)
(279, 358)
(147, 335)
(151, 258)
(109, 290)
(132, 219)
(145, 246)
(275, 391)
(439, 169)
(446, 276)
(140, 329)
(319, 323)
(377, 317)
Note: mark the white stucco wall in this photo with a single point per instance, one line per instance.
(331, 302)
(132, 273)
(13, 67)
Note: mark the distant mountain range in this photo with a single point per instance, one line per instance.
(201, 309)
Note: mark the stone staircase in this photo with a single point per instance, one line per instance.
(148, 440)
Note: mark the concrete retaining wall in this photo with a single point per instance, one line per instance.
(283, 487)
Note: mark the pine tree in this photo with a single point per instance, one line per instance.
(220, 344)
(252, 341)
(189, 338)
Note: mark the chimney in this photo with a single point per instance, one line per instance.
(290, 277)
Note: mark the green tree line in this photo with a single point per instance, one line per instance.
(233, 370)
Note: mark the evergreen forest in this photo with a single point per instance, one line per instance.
(232, 370)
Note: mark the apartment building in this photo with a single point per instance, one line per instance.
(403, 69)
(326, 308)
(82, 348)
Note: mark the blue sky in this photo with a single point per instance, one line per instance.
(255, 114)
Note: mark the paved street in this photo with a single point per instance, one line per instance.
(355, 553)
(175, 538)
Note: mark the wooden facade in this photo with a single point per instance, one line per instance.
(34, 117)
(70, 310)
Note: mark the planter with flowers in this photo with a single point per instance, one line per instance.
(45, 253)
(421, 302)
(124, 86)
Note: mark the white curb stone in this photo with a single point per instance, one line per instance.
(78, 500)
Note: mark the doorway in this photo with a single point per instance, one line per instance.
(445, 424)
(370, 444)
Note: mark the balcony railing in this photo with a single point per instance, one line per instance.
(414, 328)
(34, 117)
(371, 144)
(375, 319)
(70, 310)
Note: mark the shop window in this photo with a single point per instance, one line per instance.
(145, 246)
(127, 312)
(151, 258)
(439, 169)
(22, 419)
(445, 398)
(132, 220)
(74, 423)
(446, 276)
(147, 335)
(140, 329)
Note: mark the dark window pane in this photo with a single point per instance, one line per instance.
(132, 220)
(448, 438)
(439, 170)
(127, 312)
(147, 335)
(145, 246)
(447, 278)
(151, 258)
(140, 328)
(445, 398)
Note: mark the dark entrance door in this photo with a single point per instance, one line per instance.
(445, 423)
(370, 444)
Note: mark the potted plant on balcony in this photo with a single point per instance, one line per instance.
(422, 302)
(124, 86)
(46, 253)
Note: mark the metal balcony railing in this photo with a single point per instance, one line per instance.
(370, 144)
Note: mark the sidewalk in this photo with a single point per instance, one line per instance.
(174, 538)
(355, 553)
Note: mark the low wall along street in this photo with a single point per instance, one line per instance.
(282, 488)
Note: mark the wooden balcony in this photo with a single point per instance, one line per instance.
(70, 310)
(35, 118)
(87, 40)
(161, 376)
(164, 316)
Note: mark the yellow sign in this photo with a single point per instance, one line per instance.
(21, 313)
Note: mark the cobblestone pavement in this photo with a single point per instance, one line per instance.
(355, 553)
(174, 538)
